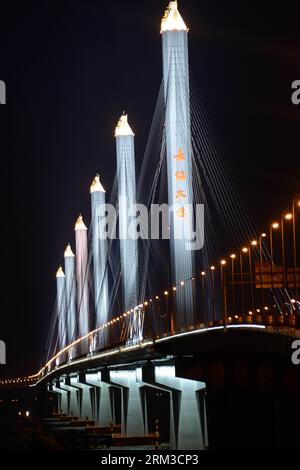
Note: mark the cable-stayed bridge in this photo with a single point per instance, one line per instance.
(170, 277)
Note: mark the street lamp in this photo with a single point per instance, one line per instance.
(263, 235)
(284, 217)
(274, 226)
(203, 274)
(244, 250)
(213, 291)
(173, 312)
(233, 258)
(224, 293)
(166, 294)
(296, 203)
(253, 244)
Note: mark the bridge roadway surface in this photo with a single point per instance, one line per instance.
(203, 345)
(252, 387)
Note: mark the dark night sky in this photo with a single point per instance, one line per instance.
(71, 67)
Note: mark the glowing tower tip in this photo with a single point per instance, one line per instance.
(68, 252)
(80, 224)
(60, 273)
(123, 128)
(97, 186)
(172, 20)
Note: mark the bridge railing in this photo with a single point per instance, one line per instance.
(161, 312)
(257, 283)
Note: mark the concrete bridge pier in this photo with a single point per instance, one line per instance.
(133, 413)
(188, 427)
(103, 413)
(92, 396)
(85, 395)
(73, 398)
(62, 397)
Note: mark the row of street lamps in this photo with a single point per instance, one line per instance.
(244, 291)
(265, 256)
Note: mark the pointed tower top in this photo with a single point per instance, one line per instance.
(172, 20)
(60, 273)
(97, 186)
(68, 252)
(123, 128)
(80, 224)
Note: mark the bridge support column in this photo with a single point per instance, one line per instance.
(58, 395)
(86, 397)
(103, 406)
(188, 428)
(62, 398)
(73, 406)
(133, 415)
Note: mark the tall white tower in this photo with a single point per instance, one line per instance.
(100, 248)
(61, 308)
(179, 153)
(70, 293)
(82, 276)
(127, 198)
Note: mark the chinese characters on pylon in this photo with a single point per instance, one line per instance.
(181, 177)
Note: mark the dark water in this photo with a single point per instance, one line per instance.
(15, 434)
(17, 430)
